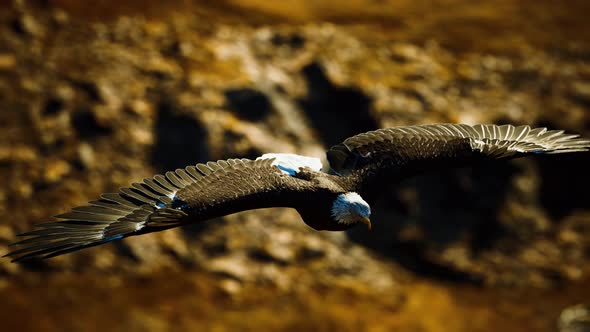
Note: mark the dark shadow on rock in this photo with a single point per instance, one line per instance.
(248, 104)
(564, 179)
(181, 140)
(122, 249)
(90, 89)
(37, 265)
(335, 112)
(455, 201)
(87, 126)
(446, 207)
(232, 139)
(519, 78)
(193, 231)
(292, 40)
(564, 183)
(52, 106)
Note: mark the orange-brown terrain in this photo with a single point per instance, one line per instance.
(95, 95)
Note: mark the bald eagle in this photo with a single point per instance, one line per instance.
(335, 199)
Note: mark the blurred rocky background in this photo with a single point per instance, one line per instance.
(95, 95)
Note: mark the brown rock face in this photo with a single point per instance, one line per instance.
(94, 97)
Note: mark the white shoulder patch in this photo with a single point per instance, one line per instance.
(290, 163)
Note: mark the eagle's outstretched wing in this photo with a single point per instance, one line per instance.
(186, 195)
(401, 151)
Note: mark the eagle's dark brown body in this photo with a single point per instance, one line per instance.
(310, 192)
(360, 166)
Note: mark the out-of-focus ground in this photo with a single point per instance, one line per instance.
(96, 95)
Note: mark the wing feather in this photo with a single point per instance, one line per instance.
(192, 194)
(157, 188)
(424, 146)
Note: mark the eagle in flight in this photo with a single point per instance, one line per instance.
(335, 199)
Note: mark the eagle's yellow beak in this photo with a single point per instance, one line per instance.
(367, 222)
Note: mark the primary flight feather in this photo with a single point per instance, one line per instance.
(333, 200)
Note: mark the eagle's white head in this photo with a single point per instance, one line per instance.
(351, 208)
